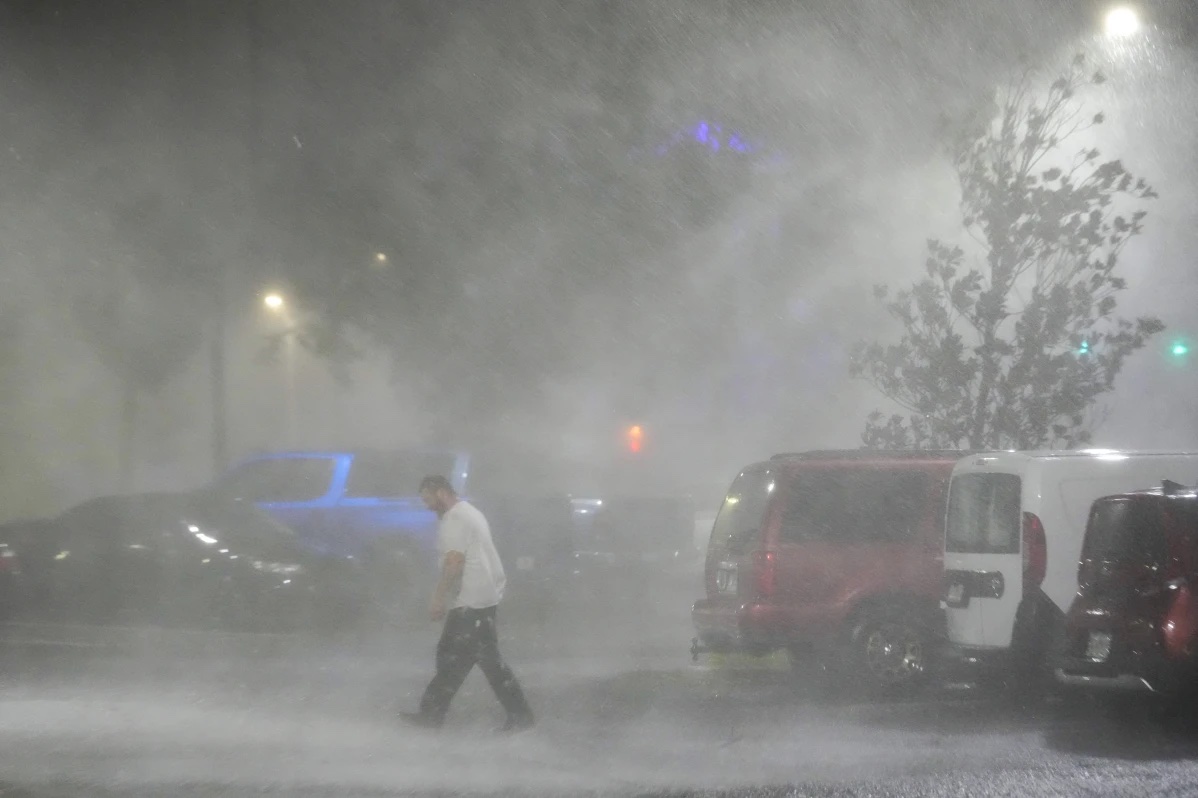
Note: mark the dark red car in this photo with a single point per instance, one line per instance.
(837, 551)
(1134, 622)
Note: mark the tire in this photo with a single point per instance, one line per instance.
(891, 651)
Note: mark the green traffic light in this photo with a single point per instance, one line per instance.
(1180, 349)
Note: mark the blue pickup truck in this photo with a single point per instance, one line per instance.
(363, 505)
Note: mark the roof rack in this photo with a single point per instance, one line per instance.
(868, 454)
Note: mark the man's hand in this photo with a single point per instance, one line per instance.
(449, 586)
(436, 609)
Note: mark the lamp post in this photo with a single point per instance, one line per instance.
(276, 304)
(1121, 22)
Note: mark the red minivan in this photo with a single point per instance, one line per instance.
(839, 551)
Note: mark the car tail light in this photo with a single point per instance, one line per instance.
(1035, 553)
(8, 560)
(1178, 566)
(765, 572)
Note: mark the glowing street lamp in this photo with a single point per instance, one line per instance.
(275, 303)
(380, 257)
(1122, 22)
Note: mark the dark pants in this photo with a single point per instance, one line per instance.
(469, 639)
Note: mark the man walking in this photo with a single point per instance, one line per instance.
(466, 597)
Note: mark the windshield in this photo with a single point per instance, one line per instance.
(743, 510)
(239, 523)
(278, 479)
(984, 514)
(1126, 531)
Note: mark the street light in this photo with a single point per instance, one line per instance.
(275, 303)
(1122, 22)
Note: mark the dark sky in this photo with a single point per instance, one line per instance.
(546, 180)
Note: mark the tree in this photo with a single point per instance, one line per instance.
(136, 305)
(1011, 346)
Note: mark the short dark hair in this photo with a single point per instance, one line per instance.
(436, 482)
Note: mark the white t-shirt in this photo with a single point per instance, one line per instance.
(463, 528)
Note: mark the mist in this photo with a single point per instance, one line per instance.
(514, 227)
(257, 149)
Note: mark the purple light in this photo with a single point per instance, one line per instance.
(710, 135)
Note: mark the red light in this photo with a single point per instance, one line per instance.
(636, 437)
(765, 566)
(1035, 553)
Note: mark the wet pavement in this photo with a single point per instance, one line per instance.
(622, 711)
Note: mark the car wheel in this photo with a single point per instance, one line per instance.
(891, 651)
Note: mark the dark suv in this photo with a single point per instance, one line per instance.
(1134, 622)
(839, 551)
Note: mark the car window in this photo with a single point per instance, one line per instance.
(854, 504)
(984, 514)
(743, 510)
(278, 479)
(1077, 496)
(1184, 515)
(1126, 531)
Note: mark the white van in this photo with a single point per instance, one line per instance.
(1013, 537)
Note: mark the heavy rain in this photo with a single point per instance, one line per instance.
(819, 370)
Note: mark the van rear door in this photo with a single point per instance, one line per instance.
(983, 564)
(737, 535)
